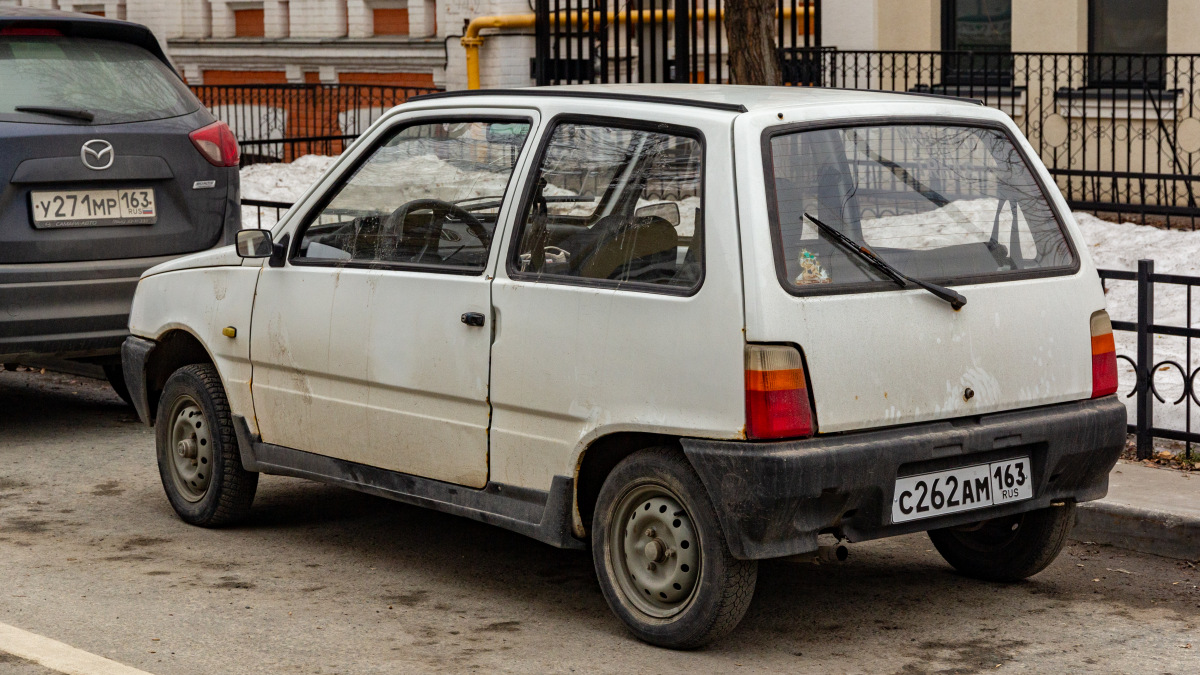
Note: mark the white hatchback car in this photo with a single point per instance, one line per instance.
(691, 327)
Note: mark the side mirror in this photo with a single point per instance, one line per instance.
(254, 244)
(668, 211)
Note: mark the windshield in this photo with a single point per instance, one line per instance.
(939, 203)
(115, 81)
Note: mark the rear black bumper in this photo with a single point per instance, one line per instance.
(773, 499)
(67, 310)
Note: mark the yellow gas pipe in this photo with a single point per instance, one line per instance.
(472, 40)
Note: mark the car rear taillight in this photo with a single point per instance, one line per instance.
(776, 393)
(218, 144)
(1104, 356)
(24, 31)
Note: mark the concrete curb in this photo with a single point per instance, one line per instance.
(1139, 529)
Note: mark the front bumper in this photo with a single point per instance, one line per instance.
(773, 499)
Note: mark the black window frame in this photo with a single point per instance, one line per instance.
(514, 272)
(998, 68)
(885, 285)
(310, 216)
(1095, 67)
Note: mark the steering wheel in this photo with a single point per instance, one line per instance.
(441, 210)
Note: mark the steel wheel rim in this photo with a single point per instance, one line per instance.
(190, 449)
(654, 550)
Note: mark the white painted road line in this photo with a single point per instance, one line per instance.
(58, 656)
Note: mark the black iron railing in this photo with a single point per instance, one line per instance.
(1145, 389)
(262, 213)
(658, 41)
(1119, 132)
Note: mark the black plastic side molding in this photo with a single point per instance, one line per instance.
(544, 516)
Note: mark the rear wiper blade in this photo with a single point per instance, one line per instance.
(955, 299)
(74, 113)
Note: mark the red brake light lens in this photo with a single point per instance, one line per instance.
(218, 144)
(1104, 356)
(776, 393)
(22, 31)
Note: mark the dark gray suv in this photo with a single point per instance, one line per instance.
(108, 166)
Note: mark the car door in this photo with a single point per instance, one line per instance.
(372, 343)
(619, 300)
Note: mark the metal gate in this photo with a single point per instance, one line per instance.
(601, 41)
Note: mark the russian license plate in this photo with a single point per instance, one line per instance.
(93, 208)
(971, 487)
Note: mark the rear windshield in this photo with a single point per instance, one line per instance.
(115, 81)
(941, 203)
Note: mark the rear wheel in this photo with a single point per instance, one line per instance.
(661, 557)
(1009, 548)
(198, 458)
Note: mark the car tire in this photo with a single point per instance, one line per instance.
(660, 554)
(1007, 549)
(198, 457)
(116, 378)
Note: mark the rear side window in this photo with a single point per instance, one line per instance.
(941, 203)
(115, 81)
(614, 205)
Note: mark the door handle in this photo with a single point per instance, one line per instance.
(472, 319)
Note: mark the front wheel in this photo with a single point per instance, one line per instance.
(198, 458)
(1009, 548)
(661, 556)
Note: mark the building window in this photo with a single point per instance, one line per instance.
(248, 23)
(390, 21)
(979, 32)
(1126, 41)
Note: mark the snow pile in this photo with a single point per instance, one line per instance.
(279, 183)
(424, 175)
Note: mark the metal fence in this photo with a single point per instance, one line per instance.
(1119, 132)
(585, 41)
(1146, 389)
(262, 213)
(279, 122)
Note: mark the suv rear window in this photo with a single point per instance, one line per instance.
(942, 203)
(115, 81)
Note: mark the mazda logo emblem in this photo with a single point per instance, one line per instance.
(97, 155)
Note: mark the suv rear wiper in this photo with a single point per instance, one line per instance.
(74, 113)
(955, 299)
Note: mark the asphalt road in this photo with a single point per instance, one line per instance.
(323, 580)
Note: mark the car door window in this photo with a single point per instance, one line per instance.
(615, 205)
(428, 196)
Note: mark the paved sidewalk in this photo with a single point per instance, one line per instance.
(1147, 509)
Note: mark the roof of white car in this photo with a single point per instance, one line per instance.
(734, 98)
